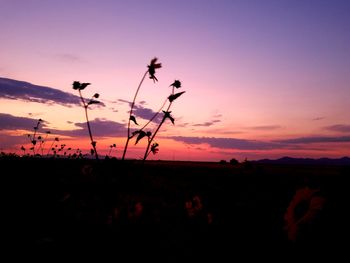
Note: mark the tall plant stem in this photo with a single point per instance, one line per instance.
(156, 131)
(50, 148)
(131, 110)
(93, 143)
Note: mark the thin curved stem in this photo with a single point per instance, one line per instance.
(147, 152)
(93, 143)
(131, 110)
(50, 147)
(155, 115)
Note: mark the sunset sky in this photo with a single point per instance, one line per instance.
(263, 79)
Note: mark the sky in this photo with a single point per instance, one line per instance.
(263, 79)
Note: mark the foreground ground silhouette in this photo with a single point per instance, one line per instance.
(171, 211)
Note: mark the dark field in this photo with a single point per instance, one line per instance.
(171, 211)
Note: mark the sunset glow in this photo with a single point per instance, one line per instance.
(263, 79)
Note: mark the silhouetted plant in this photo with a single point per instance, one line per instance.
(80, 86)
(60, 149)
(110, 148)
(67, 152)
(32, 138)
(151, 71)
(24, 150)
(42, 142)
(233, 161)
(77, 154)
(51, 147)
(166, 115)
(247, 164)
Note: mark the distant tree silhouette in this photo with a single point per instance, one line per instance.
(233, 161)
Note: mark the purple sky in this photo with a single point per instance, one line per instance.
(280, 65)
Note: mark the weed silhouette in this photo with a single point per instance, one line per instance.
(151, 71)
(166, 115)
(79, 87)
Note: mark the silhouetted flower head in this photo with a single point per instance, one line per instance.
(152, 69)
(154, 148)
(141, 134)
(79, 86)
(176, 84)
(96, 95)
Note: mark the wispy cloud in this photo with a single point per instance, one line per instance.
(266, 127)
(219, 115)
(68, 57)
(146, 113)
(11, 141)
(206, 124)
(20, 90)
(10, 122)
(100, 127)
(243, 144)
(142, 112)
(183, 125)
(318, 118)
(229, 143)
(315, 139)
(223, 131)
(345, 128)
(123, 101)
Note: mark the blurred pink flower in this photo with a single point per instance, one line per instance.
(314, 204)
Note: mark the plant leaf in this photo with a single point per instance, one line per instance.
(84, 85)
(140, 136)
(132, 118)
(134, 133)
(93, 102)
(168, 116)
(175, 96)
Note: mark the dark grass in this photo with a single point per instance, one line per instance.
(247, 203)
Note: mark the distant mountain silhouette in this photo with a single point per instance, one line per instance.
(309, 161)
